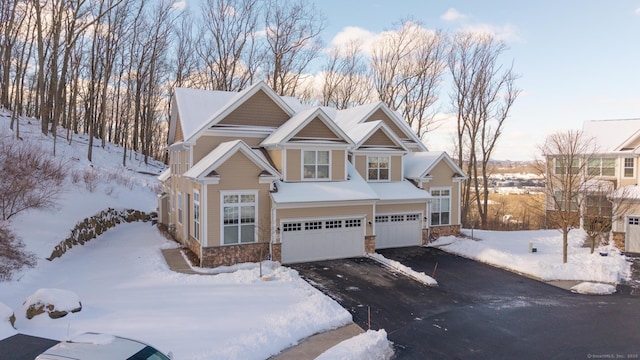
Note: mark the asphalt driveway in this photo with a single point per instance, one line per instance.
(477, 311)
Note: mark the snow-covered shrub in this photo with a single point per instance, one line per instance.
(13, 256)
(91, 179)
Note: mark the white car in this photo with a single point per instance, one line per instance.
(95, 346)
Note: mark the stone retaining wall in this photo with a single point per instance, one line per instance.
(91, 227)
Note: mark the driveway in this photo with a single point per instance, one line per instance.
(477, 311)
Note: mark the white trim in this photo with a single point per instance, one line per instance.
(256, 224)
(316, 178)
(327, 204)
(199, 233)
(180, 208)
(248, 132)
(388, 179)
(450, 197)
(285, 174)
(623, 167)
(362, 217)
(203, 215)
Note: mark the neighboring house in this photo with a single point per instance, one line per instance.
(610, 195)
(255, 175)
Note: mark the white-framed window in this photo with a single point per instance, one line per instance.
(598, 166)
(629, 167)
(316, 164)
(179, 208)
(441, 206)
(378, 168)
(196, 214)
(239, 223)
(562, 165)
(562, 202)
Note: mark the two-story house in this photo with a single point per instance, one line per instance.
(255, 175)
(611, 190)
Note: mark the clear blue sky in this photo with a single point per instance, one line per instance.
(578, 60)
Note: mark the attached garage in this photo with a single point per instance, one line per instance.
(321, 239)
(632, 237)
(398, 230)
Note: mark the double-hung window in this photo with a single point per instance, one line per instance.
(601, 166)
(179, 208)
(239, 218)
(441, 206)
(564, 166)
(378, 168)
(196, 214)
(316, 164)
(629, 167)
(563, 202)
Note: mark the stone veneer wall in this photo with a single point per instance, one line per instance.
(233, 254)
(449, 230)
(619, 239)
(370, 244)
(276, 252)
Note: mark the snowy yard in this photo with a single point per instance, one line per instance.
(510, 250)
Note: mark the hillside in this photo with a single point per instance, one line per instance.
(89, 188)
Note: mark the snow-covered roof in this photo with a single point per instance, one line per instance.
(165, 175)
(361, 132)
(612, 135)
(299, 121)
(630, 192)
(354, 189)
(417, 165)
(399, 190)
(221, 153)
(196, 106)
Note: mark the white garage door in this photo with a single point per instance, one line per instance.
(632, 240)
(398, 230)
(322, 239)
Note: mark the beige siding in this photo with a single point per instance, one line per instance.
(401, 208)
(276, 157)
(294, 165)
(259, 110)
(338, 159)
(360, 163)
(379, 138)
(442, 176)
(237, 173)
(381, 115)
(179, 135)
(316, 129)
(396, 168)
(205, 144)
(195, 186)
(328, 212)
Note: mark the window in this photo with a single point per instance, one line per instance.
(313, 225)
(378, 168)
(239, 218)
(179, 208)
(352, 223)
(333, 224)
(413, 217)
(601, 167)
(561, 201)
(291, 227)
(441, 207)
(382, 218)
(629, 164)
(196, 214)
(397, 218)
(634, 221)
(316, 164)
(563, 164)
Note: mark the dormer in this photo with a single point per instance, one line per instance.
(309, 147)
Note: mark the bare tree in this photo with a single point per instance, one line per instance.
(29, 177)
(229, 48)
(346, 81)
(483, 94)
(293, 41)
(407, 67)
(567, 179)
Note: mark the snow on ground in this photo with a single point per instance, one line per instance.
(371, 345)
(392, 264)
(594, 288)
(124, 283)
(510, 250)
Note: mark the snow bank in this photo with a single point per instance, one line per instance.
(371, 345)
(594, 288)
(62, 300)
(510, 250)
(395, 265)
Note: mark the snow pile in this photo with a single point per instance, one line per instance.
(6, 313)
(61, 300)
(392, 264)
(594, 288)
(510, 250)
(371, 345)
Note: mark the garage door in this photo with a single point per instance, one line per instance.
(322, 239)
(398, 230)
(632, 238)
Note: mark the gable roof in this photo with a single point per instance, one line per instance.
(200, 109)
(222, 153)
(294, 125)
(613, 135)
(349, 118)
(419, 164)
(361, 132)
